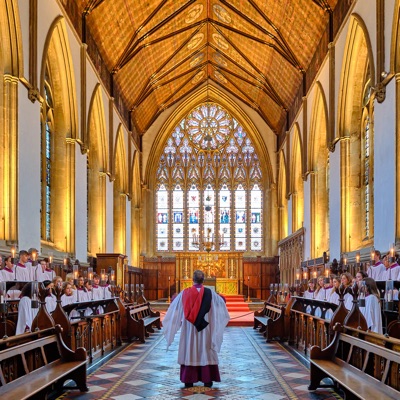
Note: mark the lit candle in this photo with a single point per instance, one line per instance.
(169, 278)
(315, 274)
(248, 278)
(297, 276)
(50, 259)
(357, 258)
(326, 273)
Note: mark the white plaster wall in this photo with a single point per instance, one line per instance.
(334, 203)
(389, 15)
(128, 248)
(307, 220)
(28, 172)
(80, 205)
(385, 166)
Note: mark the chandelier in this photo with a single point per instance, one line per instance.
(207, 241)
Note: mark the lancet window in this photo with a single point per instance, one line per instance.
(46, 159)
(209, 180)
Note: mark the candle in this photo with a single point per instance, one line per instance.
(315, 274)
(248, 278)
(297, 276)
(169, 278)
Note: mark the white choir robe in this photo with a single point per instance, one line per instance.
(392, 273)
(65, 300)
(376, 271)
(333, 297)
(372, 313)
(22, 273)
(48, 275)
(6, 276)
(13, 294)
(348, 301)
(308, 294)
(197, 348)
(97, 293)
(322, 294)
(51, 302)
(26, 315)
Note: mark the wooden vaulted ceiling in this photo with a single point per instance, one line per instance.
(159, 51)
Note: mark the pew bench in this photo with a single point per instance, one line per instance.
(32, 369)
(141, 319)
(360, 368)
(270, 320)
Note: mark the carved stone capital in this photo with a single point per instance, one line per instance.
(33, 94)
(380, 92)
(84, 148)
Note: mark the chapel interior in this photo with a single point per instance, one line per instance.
(255, 140)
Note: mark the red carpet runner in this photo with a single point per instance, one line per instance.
(239, 311)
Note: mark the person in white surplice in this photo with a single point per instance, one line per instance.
(203, 315)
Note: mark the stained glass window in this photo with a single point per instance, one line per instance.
(211, 171)
(46, 171)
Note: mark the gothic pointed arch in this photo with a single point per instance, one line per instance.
(136, 210)
(59, 130)
(355, 116)
(11, 64)
(395, 69)
(282, 199)
(209, 178)
(96, 174)
(296, 181)
(119, 193)
(319, 173)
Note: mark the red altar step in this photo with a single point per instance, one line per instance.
(239, 311)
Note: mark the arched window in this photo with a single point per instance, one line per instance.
(209, 180)
(366, 164)
(46, 160)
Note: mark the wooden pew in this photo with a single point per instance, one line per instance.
(362, 364)
(34, 367)
(141, 319)
(271, 318)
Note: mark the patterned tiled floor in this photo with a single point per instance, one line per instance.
(250, 369)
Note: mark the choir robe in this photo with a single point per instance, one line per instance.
(392, 273)
(376, 271)
(198, 349)
(308, 294)
(7, 275)
(22, 273)
(51, 302)
(26, 315)
(48, 275)
(372, 313)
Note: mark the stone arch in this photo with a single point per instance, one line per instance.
(11, 64)
(296, 180)
(120, 192)
(357, 71)
(318, 156)
(395, 69)
(96, 171)
(282, 199)
(57, 71)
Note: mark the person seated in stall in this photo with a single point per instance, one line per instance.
(347, 280)
(81, 291)
(333, 296)
(48, 274)
(320, 290)
(57, 281)
(7, 274)
(26, 314)
(22, 272)
(68, 294)
(51, 299)
(70, 279)
(360, 275)
(376, 270)
(97, 290)
(393, 270)
(310, 292)
(372, 310)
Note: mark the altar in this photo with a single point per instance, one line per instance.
(223, 270)
(222, 285)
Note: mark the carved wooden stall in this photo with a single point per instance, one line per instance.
(291, 254)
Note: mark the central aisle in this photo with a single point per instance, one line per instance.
(250, 369)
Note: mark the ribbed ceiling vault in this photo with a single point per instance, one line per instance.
(159, 51)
